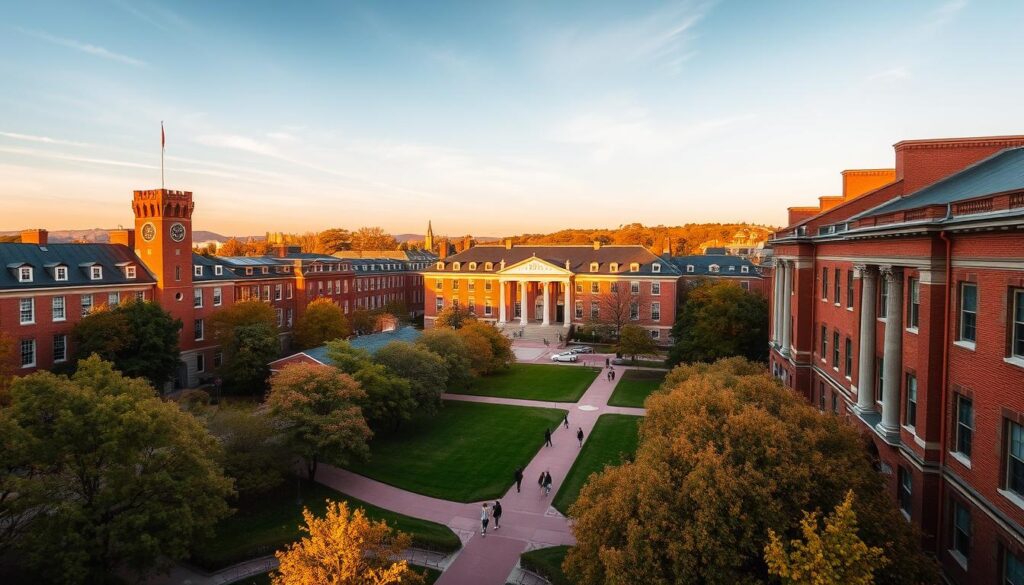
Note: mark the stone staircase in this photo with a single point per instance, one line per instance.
(537, 333)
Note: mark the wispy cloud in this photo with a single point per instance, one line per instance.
(238, 142)
(945, 13)
(84, 47)
(42, 139)
(158, 16)
(892, 73)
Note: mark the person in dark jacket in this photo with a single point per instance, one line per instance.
(496, 514)
(579, 435)
(565, 419)
(518, 475)
(547, 482)
(540, 481)
(547, 438)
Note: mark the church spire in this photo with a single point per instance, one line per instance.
(428, 241)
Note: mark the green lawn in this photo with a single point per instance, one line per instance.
(262, 527)
(613, 436)
(635, 386)
(535, 382)
(466, 453)
(264, 579)
(546, 562)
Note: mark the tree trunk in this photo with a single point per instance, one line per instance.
(311, 468)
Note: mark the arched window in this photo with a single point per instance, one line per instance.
(472, 265)
(440, 265)
(456, 266)
(489, 266)
(613, 267)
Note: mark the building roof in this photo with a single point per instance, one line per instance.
(728, 266)
(78, 258)
(410, 255)
(579, 258)
(999, 173)
(209, 273)
(370, 343)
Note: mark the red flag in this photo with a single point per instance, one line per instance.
(163, 139)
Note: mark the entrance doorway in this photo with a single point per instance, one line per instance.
(538, 311)
(560, 313)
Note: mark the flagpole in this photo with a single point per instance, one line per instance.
(162, 141)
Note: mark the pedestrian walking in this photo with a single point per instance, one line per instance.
(607, 362)
(496, 512)
(519, 479)
(540, 481)
(547, 482)
(484, 518)
(579, 436)
(547, 438)
(612, 374)
(565, 419)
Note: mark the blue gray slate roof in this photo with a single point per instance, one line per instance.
(77, 257)
(369, 343)
(578, 257)
(727, 265)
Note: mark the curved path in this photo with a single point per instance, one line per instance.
(528, 520)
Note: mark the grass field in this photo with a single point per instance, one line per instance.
(262, 527)
(535, 382)
(635, 386)
(264, 579)
(613, 436)
(546, 562)
(466, 453)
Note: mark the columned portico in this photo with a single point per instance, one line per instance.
(893, 365)
(502, 314)
(866, 351)
(787, 307)
(524, 310)
(777, 303)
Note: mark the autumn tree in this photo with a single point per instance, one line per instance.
(334, 240)
(830, 555)
(319, 408)
(720, 319)
(453, 317)
(321, 321)
(617, 307)
(139, 337)
(255, 454)
(128, 479)
(489, 350)
(248, 336)
(232, 247)
(345, 548)
(726, 454)
(635, 341)
(373, 238)
(424, 369)
(388, 400)
(453, 350)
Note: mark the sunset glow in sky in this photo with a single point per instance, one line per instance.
(488, 118)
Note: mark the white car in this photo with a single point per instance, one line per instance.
(582, 349)
(567, 356)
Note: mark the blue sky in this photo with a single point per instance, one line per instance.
(488, 118)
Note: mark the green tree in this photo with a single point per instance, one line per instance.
(255, 454)
(248, 337)
(424, 369)
(489, 350)
(453, 350)
(720, 319)
(831, 555)
(453, 317)
(253, 312)
(22, 493)
(139, 337)
(319, 408)
(388, 398)
(321, 321)
(635, 341)
(131, 480)
(7, 358)
(726, 454)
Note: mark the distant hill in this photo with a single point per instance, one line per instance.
(102, 235)
(402, 238)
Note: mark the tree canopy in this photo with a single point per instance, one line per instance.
(425, 370)
(373, 238)
(388, 398)
(725, 455)
(635, 341)
(248, 337)
(453, 317)
(321, 321)
(114, 476)
(453, 350)
(255, 454)
(717, 320)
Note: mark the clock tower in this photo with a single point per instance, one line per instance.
(163, 240)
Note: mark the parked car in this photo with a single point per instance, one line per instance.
(582, 349)
(566, 356)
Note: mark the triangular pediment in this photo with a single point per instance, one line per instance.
(534, 267)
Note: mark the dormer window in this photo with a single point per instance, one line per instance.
(440, 265)
(656, 267)
(266, 270)
(489, 266)
(248, 271)
(197, 270)
(218, 270)
(25, 274)
(593, 266)
(60, 273)
(744, 269)
(613, 267)
(732, 269)
(689, 267)
(456, 266)
(96, 273)
(634, 267)
(713, 268)
(129, 272)
(472, 265)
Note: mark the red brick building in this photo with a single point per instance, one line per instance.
(901, 307)
(46, 288)
(736, 269)
(556, 285)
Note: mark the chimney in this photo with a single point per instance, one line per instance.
(666, 247)
(467, 243)
(508, 243)
(443, 249)
(36, 236)
(597, 244)
(124, 237)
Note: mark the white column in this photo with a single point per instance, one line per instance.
(866, 351)
(547, 303)
(523, 309)
(501, 302)
(787, 307)
(893, 352)
(570, 309)
(777, 303)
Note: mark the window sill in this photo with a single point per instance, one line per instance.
(959, 558)
(961, 458)
(59, 320)
(912, 330)
(850, 309)
(1015, 361)
(969, 345)
(26, 366)
(28, 322)
(1016, 499)
(906, 515)
(839, 304)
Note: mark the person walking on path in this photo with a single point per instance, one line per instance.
(547, 438)
(540, 481)
(496, 512)
(607, 362)
(565, 419)
(612, 373)
(547, 483)
(579, 435)
(519, 479)
(484, 518)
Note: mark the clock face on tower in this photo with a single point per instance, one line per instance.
(148, 232)
(177, 232)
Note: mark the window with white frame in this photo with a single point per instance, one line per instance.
(488, 309)
(488, 266)
(28, 353)
(835, 349)
(824, 284)
(655, 288)
(744, 269)
(689, 267)
(883, 299)
(248, 271)
(438, 303)
(578, 310)
(593, 266)
(713, 268)
(60, 348)
(961, 530)
(848, 367)
(277, 292)
(471, 285)
(27, 311)
(217, 298)
(1013, 569)
(906, 495)
(634, 287)
(218, 270)
(732, 268)
(198, 330)
(200, 363)
(656, 311)
(129, 272)
(279, 312)
(96, 272)
(438, 284)
(86, 302)
(1017, 335)
(266, 270)
(634, 311)
(455, 284)
(595, 310)
(57, 309)
(1015, 458)
(849, 289)
(968, 312)
(288, 317)
(113, 299)
(655, 334)
(25, 274)
(634, 267)
(914, 303)
(911, 410)
(964, 425)
(488, 286)
(60, 273)
(656, 267)
(472, 265)
(197, 298)
(824, 343)
(197, 270)
(456, 265)
(140, 295)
